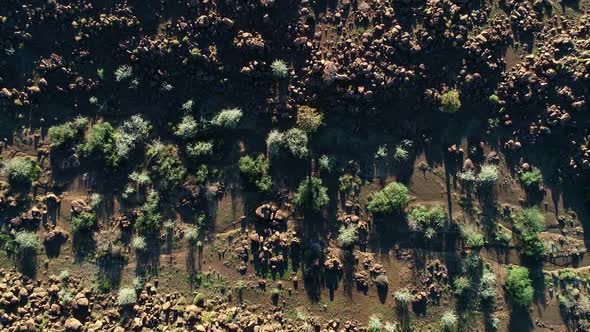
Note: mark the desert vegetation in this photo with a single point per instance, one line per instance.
(254, 165)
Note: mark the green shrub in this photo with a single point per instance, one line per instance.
(199, 299)
(488, 175)
(391, 327)
(467, 177)
(348, 236)
(450, 101)
(201, 173)
(382, 152)
(187, 128)
(293, 141)
(65, 297)
(192, 235)
(64, 276)
(100, 141)
(141, 179)
(166, 165)
(228, 118)
(200, 149)
(401, 154)
(279, 69)
(531, 179)
(487, 287)
(429, 221)
(349, 184)
(139, 243)
(394, 198)
(449, 321)
(312, 195)
(67, 132)
(274, 143)
(462, 285)
(149, 219)
(21, 170)
(474, 239)
(528, 223)
(83, 221)
(123, 73)
(296, 142)
(138, 283)
(567, 275)
(502, 234)
(374, 324)
(129, 135)
(126, 297)
(326, 163)
(494, 99)
(309, 119)
(26, 243)
(519, 287)
(403, 297)
(256, 172)
(96, 200)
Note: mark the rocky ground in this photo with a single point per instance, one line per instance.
(229, 165)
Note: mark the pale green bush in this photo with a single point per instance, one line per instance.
(126, 297)
(348, 236)
(228, 118)
(187, 128)
(21, 170)
(279, 69)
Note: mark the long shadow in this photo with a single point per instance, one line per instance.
(84, 245)
(110, 267)
(520, 320)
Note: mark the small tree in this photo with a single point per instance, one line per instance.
(100, 141)
(529, 222)
(394, 198)
(149, 219)
(450, 101)
(467, 178)
(166, 164)
(519, 286)
(312, 195)
(256, 172)
(430, 221)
